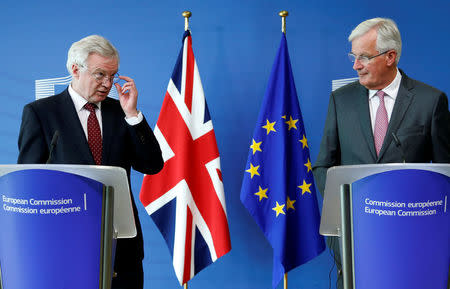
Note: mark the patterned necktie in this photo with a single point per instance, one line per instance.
(381, 122)
(94, 134)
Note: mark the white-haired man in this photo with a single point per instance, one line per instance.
(368, 118)
(95, 129)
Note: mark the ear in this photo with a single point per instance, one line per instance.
(390, 57)
(75, 71)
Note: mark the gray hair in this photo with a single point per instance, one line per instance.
(80, 51)
(388, 36)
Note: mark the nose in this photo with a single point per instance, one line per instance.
(357, 64)
(108, 81)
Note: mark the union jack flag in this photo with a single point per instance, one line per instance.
(186, 199)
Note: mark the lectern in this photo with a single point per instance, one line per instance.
(59, 224)
(393, 221)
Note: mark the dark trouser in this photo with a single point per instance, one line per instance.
(131, 279)
(128, 264)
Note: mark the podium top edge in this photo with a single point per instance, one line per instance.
(392, 165)
(61, 166)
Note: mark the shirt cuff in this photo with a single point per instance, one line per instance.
(135, 119)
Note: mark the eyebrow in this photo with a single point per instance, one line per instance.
(104, 71)
(359, 55)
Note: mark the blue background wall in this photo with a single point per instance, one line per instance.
(235, 44)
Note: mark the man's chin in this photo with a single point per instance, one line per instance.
(369, 84)
(102, 95)
(363, 79)
(98, 97)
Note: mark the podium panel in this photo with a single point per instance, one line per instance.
(375, 230)
(400, 224)
(51, 230)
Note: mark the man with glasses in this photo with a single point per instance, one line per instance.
(385, 117)
(93, 129)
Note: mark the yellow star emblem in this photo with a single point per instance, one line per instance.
(256, 146)
(305, 187)
(290, 204)
(304, 141)
(261, 193)
(308, 165)
(253, 170)
(291, 122)
(279, 209)
(269, 126)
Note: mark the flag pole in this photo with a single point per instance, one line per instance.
(186, 15)
(283, 14)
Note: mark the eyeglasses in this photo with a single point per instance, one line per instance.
(362, 58)
(101, 76)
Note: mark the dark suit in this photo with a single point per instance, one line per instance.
(123, 146)
(420, 119)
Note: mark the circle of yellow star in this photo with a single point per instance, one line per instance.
(279, 209)
(261, 193)
(305, 187)
(291, 122)
(304, 141)
(253, 170)
(256, 146)
(290, 204)
(269, 126)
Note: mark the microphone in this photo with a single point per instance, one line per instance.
(52, 145)
(399, 145)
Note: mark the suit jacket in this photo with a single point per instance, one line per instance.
(420, 119)
(123, 146)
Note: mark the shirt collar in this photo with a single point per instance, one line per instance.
(392, 89)
(78, 100)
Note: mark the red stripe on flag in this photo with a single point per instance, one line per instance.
(187, 248)
(190, 61)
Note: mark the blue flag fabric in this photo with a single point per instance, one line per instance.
(278, 186)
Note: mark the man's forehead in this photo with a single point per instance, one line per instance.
(97, 61)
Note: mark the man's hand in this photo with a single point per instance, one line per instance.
(127, 96)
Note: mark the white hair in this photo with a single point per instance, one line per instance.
(80, 51)
(388, 35)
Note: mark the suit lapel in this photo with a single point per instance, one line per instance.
(401, 105)
(108, 129)
(71, 121)
(364, 119)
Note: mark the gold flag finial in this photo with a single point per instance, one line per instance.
(283, 15)
(186, 15)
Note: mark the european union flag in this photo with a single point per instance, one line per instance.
(278, 186)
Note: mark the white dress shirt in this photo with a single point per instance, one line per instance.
(83, 113)
(391, 92)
